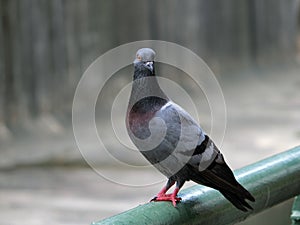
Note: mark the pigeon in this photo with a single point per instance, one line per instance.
(173, 142)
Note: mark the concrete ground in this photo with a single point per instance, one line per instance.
(36, 186)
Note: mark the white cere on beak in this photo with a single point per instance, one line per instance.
(149, 65)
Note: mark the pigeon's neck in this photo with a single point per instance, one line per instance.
(145, 100)
(140, 71)
(146, 94)
(145, 87)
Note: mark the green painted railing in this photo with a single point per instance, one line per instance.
(295, 217)
(271, 181)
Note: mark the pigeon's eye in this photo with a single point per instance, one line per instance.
(139, 57)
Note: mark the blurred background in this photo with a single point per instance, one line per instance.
(252, 46)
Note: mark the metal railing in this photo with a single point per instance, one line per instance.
(295, 216)
(271, 181)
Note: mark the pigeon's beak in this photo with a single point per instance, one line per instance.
(150, 66)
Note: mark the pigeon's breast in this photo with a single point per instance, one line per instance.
(138, 124)
(141, 113)
(167, 137)
(155, 131)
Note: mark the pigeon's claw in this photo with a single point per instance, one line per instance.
(175, 199)
(167, 197)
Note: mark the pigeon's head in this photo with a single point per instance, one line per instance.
(144, 62)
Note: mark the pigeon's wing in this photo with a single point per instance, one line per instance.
(218, 175)
(182, 136)
(196, 144)
(207, 166)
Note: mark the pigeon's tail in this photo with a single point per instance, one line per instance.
(239, 199)
(219, 176)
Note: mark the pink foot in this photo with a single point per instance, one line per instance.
(167, 197)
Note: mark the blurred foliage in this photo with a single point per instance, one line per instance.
(45, 46)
